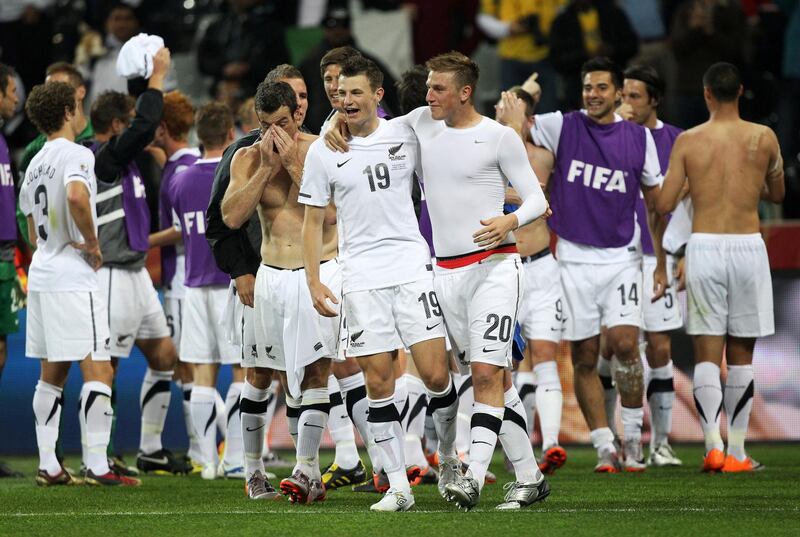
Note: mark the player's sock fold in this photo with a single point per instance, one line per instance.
(515, 440)
(708, 401)
(660, 398)
(485, 426)
(739, 391)
(154, 400)
(47, 405)
(97, 413)
(549, 400)
(253, 414)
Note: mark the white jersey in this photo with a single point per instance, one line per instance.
(466, 172)
(380, 244)
(57, 266)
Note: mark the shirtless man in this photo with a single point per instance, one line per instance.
(541, 309)
(266, 177)
(730, 164)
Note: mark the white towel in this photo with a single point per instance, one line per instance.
(679, 228)
(136, 57)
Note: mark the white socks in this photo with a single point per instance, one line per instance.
(632, 419)
(154, 398)
(708, 400)
(272, 404)
(516, 442)
(311, 423)
(549, 400)
(47, 414)
(484, 428)
(466, 398)
(414, 422)
(388, 436)
(660, 398)
(739, 390)
(253, 408)
(603, 440)
(609, 391)
(95, 411)
(292, 416)
(194, 447)
(444, 410)
(204, 419)
(525, 383)
(341, 428)
(233, 455)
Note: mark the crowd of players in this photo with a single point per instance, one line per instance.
(392, 274)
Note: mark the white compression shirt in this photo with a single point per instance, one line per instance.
(466, 172)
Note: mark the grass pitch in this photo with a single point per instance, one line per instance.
(674, 502)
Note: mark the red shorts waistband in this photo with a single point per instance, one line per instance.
(459, 261)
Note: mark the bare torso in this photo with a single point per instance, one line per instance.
(281, 217)
(535, 237)
(726, 163)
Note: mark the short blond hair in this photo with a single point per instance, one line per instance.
(465, 71)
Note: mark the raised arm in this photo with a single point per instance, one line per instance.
(251, 170)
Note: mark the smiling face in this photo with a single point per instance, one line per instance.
(635, 95)
(359, 101)
(599, 95)
(330, 79)
(444, 96)
(299, 87)
(282, 117)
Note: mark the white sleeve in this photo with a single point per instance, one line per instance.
(80, 167)
(492, 26)
(315, 186)
(651, 172)
(546, 130)
(25, 203)
(514, 164)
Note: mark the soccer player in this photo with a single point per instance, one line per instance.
(730, 164)
(122, 132)
(641, 94)
(479, 289)
(601, 164)
(290, 336)
(66, 313)
(203, 342)
(541, 309)
(387, 286)
(172, 136)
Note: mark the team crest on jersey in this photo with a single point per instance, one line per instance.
(394, 150)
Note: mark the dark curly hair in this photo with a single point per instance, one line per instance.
(47, 104)
(270, 96)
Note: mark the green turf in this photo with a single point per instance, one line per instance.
(673, 502)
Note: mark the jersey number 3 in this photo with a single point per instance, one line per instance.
(380, 178)
(40, 198)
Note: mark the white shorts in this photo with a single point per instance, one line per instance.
(134, 311)
(246, 316)
(382, 320)
(173, 309)
(600, 294)
(289, 332)
(729, 286)
(202, 336)
(480, 304)
(66, 326)
(541, 310)
(664, 314)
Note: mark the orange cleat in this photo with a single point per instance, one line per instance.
(713, 461)
(553, 459)
(732, 465)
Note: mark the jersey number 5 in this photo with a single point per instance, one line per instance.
(381, 174)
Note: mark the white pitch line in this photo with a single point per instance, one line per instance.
(422, 512)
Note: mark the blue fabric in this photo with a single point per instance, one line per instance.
(518, 345)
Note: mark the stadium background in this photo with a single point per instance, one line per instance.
(776, 410)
